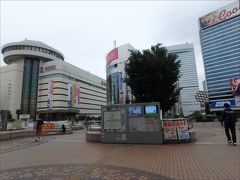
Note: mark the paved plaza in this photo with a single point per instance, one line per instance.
(69, 156)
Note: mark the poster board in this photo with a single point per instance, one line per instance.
(169, 130)
(176, 130)
(112, 120)
(143, 124)
(183, 132)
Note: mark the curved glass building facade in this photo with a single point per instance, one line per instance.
(220, 41)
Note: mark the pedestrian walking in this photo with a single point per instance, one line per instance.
(39, 129)
(228, 119)
(63, 128)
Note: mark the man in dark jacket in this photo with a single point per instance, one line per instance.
(228, 117)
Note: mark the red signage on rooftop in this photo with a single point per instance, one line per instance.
(112, 55)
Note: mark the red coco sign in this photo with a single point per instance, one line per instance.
(225, 14)
(220, 15)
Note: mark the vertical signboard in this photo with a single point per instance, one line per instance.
(77, 97)
(73, 96)
(69, 95)
(120, 83)
(50, 94)
(235, 87)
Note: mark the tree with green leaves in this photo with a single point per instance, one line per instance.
(153, 76)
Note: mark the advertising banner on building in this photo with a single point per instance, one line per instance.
(69, 98)
(220, 15)
(73, 96)
(235, 87)
(112, 55)
(50, 94)
(220, 103)
(77, 99)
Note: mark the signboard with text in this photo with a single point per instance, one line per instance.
(112, 55)
(174, 130)
(235, 87)
(220, 103)
(220, 15)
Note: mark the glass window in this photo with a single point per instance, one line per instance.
(220, 35)
(220, 58)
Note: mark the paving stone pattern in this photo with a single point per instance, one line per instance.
(71, 157)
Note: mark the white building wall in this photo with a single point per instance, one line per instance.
(11, 77)
(188, 80)
(92, 88)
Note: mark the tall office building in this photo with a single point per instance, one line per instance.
(204, 84)
(118, 92)
(220, 42)
(189, 79)
(38, 82)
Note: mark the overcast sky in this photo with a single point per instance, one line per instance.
(84, 31)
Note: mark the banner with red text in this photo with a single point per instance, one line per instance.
(174, 130)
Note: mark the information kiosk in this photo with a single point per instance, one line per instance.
(132, 123)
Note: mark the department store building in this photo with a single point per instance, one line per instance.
(37, 82)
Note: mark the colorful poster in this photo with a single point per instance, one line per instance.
(73, 96)
(50, 94)
(174, 130)
(235, 87)
(170, 133)
(77, 97)
(169, 129)
(69, 95)
(183, 132)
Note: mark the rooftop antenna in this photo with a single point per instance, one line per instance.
(114, 43)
